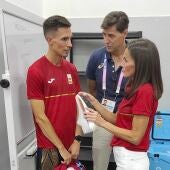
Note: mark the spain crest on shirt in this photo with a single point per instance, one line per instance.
(69, 79)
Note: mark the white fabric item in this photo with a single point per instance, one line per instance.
(130, 160)
(101, 148)
(87, 126)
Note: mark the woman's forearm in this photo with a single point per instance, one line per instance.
(125, 134)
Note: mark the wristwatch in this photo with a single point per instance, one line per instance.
(78, 138)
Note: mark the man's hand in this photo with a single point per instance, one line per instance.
(74, 149)
(65, 155)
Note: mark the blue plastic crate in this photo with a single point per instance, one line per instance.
(159, 156)
(161, 127)
(159, 150)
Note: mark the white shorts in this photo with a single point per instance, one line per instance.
(130, 160)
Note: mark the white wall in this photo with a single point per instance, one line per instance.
(93, 8)
(99, 8)
(34, 6)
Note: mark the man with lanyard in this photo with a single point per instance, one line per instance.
(105, 79)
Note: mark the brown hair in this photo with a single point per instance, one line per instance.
(147, 66)
(54, 22)
(117, 18)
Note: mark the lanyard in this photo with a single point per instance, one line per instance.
(119, 83)
(104, 78)
(104, 73)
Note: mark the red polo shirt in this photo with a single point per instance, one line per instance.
(57, 87)
(142, 102)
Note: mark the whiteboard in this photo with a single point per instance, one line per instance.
(25, 43)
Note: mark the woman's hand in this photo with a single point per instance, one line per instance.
(93, 116)
(89, 97)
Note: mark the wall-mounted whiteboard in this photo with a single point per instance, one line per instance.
(24, 43)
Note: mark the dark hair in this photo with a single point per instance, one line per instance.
(117, 18)
(147, 66)
(54, 22)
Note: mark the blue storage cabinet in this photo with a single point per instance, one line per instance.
(159, 151)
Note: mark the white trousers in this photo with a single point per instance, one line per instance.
(101, 148)
(130, 160)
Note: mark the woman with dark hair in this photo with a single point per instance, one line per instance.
(132, 123)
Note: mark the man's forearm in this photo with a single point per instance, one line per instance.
(78, 130)
(49, 132)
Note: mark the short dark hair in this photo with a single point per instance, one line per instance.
(117, 18)
(54, 22)
(147, 66)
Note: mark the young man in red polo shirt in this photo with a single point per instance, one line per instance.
(52, 83)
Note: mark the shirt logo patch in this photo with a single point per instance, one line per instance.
(100, 66)
(69, 79)
(51, 80)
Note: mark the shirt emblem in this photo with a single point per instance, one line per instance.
(100, 66)
(69, 79)
(51, 80)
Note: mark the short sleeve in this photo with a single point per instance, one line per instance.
(34, 85)
(144, 101)
(91, 67)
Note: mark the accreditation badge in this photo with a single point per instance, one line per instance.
(69, 79)
(108, 104)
